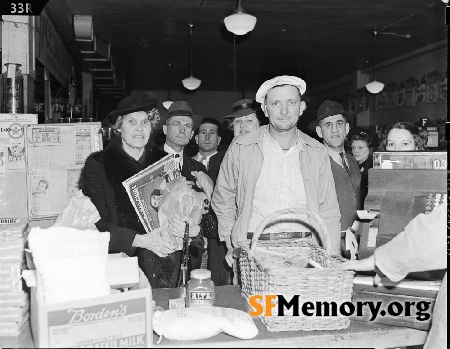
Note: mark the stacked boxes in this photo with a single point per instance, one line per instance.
(14, 300)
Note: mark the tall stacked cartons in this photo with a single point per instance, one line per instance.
(14, 300)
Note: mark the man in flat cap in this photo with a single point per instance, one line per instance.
(273, 168)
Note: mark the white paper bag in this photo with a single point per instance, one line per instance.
(80, 213)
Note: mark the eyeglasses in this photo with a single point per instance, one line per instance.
(177, 125)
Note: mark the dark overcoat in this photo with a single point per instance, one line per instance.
(101, 181)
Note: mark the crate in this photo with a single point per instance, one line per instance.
(120, 320)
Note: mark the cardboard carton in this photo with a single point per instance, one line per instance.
(13, 270)
(120, 320)
(13, 231)
(14, 314)
(13, 299)
(11, 284)
(123, 271)
(13, 329)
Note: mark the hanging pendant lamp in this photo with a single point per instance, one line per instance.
(191, 82)
(374, 86)
(166, 104)
(240, 22)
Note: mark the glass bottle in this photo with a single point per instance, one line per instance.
(12, 89)
(200, 289)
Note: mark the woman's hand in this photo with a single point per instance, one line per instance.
(177, 226)
(360, 265)
(365, 264)
(153, 241)
(204, 182)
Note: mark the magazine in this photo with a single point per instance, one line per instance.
(145, 189)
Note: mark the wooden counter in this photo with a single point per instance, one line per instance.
(358, 334)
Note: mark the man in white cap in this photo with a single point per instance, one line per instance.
(273, 168)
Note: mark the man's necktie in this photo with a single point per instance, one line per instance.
(177, 156)
(344, 163)
(204, 162)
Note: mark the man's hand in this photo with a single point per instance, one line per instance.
(229, 257)
(204, 182)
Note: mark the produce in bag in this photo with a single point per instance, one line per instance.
(203, 322)
(180, 200)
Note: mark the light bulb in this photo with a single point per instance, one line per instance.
(191, 83)
(375, 87)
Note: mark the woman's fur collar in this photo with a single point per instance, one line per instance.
(118, 168)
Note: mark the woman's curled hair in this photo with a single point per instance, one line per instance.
(420, 136)
(153, 117)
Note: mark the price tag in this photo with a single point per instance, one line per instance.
(439, 164)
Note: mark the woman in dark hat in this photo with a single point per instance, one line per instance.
(247, 116)
(101, 180)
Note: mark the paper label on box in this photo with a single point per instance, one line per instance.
(11, 269)
(8, 329)
(13, 299)
(372, 238)
(9, 220)
(115, 325)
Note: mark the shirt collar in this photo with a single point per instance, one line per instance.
(199, 156)
(168, 149)
(334, 154)
(299, 143)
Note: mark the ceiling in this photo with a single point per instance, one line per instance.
(319, 40)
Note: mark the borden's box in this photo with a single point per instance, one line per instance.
(121, 320)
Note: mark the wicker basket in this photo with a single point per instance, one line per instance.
(273, 267)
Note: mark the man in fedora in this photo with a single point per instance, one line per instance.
(245, 117)
(179, 129)
(332, 126)
(275, 167)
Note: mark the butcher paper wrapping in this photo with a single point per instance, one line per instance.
(70, 264)
(80, 213)
(203, 322)
(179, 200)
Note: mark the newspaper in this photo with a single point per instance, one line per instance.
(12, 142)
(55, 155)
(145, 189)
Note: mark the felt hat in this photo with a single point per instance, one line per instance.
(243, 107)
(277, 81)
(329, 108)
(133, 103)
(182, 108)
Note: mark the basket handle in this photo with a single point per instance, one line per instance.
(323, 231)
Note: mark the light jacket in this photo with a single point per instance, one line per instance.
(233, 195)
